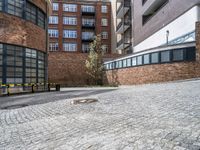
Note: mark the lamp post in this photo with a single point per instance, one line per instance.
(167, 36)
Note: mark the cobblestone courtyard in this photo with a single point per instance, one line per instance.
(158, 116)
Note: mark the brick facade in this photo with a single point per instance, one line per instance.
(157, 73)
(15, 30)
(68, 69)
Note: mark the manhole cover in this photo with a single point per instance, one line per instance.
(84, 101)
(15, 106)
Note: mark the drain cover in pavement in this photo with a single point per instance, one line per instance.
(84, 101)
(15, 106)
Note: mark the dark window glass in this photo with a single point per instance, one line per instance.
(41, 19)
(146, 59)
(178, 55)
(31, 12)
(165, 56)
(15, 7)
(190, 53)
(154, 58)
(139, 60)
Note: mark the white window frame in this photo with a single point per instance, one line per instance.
(68, 20)
(70, 47)
(53, 20)
(69, 34)
(70, 7)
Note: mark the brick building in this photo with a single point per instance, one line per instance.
(72, 27)
(165, 44)
(23, 41)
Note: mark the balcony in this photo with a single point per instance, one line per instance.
(88, 25)
(87, 39)
(122, 10)
(122, 44)
(88, 12)
(122, 27)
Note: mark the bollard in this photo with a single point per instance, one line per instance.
(8, 90)
(32, 87)
(49, 87)
(57, 87)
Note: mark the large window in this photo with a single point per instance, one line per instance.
(178, 55)
(104, 22)
(104, 9)
(55, 6)
(53, 46)
(70, 7)
(69, 33)
(154, 58)
(147, 59)
(87, 8)
(15, 7)
(165, 56)
(24, 9)
(87, 35)
(70, 47)
(41, 19)
(1, 5)
(21, 65)
(53, 33)
(53, 20)
(31, 12)
(69, 20)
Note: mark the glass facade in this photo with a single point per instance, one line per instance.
(24, 9)
(20, 65)
(168, 56)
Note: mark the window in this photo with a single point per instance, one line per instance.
(104, 35)
(178, 55)
(104, 9)
(41, 19)
(70, 7)
(55, 6)
(53, 46)
(88, 22)
(146, 59)
(87, 35)
(70, 20)
(86, 8)
(165, 56)
(139, 60)
(134, 61)
(53, 32)
(85, 48)
(69, 33)
(70, 46)
(128, 62)
(15, 7)
(124, 63)
(191, 54)
(53, 20)
(154, 58)
(120, 64)
(117, 64)
(105, 48)
(1, 5)
(104, 22)
(31, 12)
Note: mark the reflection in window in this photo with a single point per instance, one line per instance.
(165, 56)
(154, 58)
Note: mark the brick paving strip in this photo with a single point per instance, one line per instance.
(157, 116)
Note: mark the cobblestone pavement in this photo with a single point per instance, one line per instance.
(158, 116)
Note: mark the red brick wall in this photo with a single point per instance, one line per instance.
(15, 30)
(157, 73)
(68, 69)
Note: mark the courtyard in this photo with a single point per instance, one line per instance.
(145, 117)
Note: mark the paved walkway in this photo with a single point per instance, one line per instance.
(145, 117)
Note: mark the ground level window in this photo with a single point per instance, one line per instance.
(139, 60)
(178, 55)
(165, 56)
(146, 59)
(154, 58)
